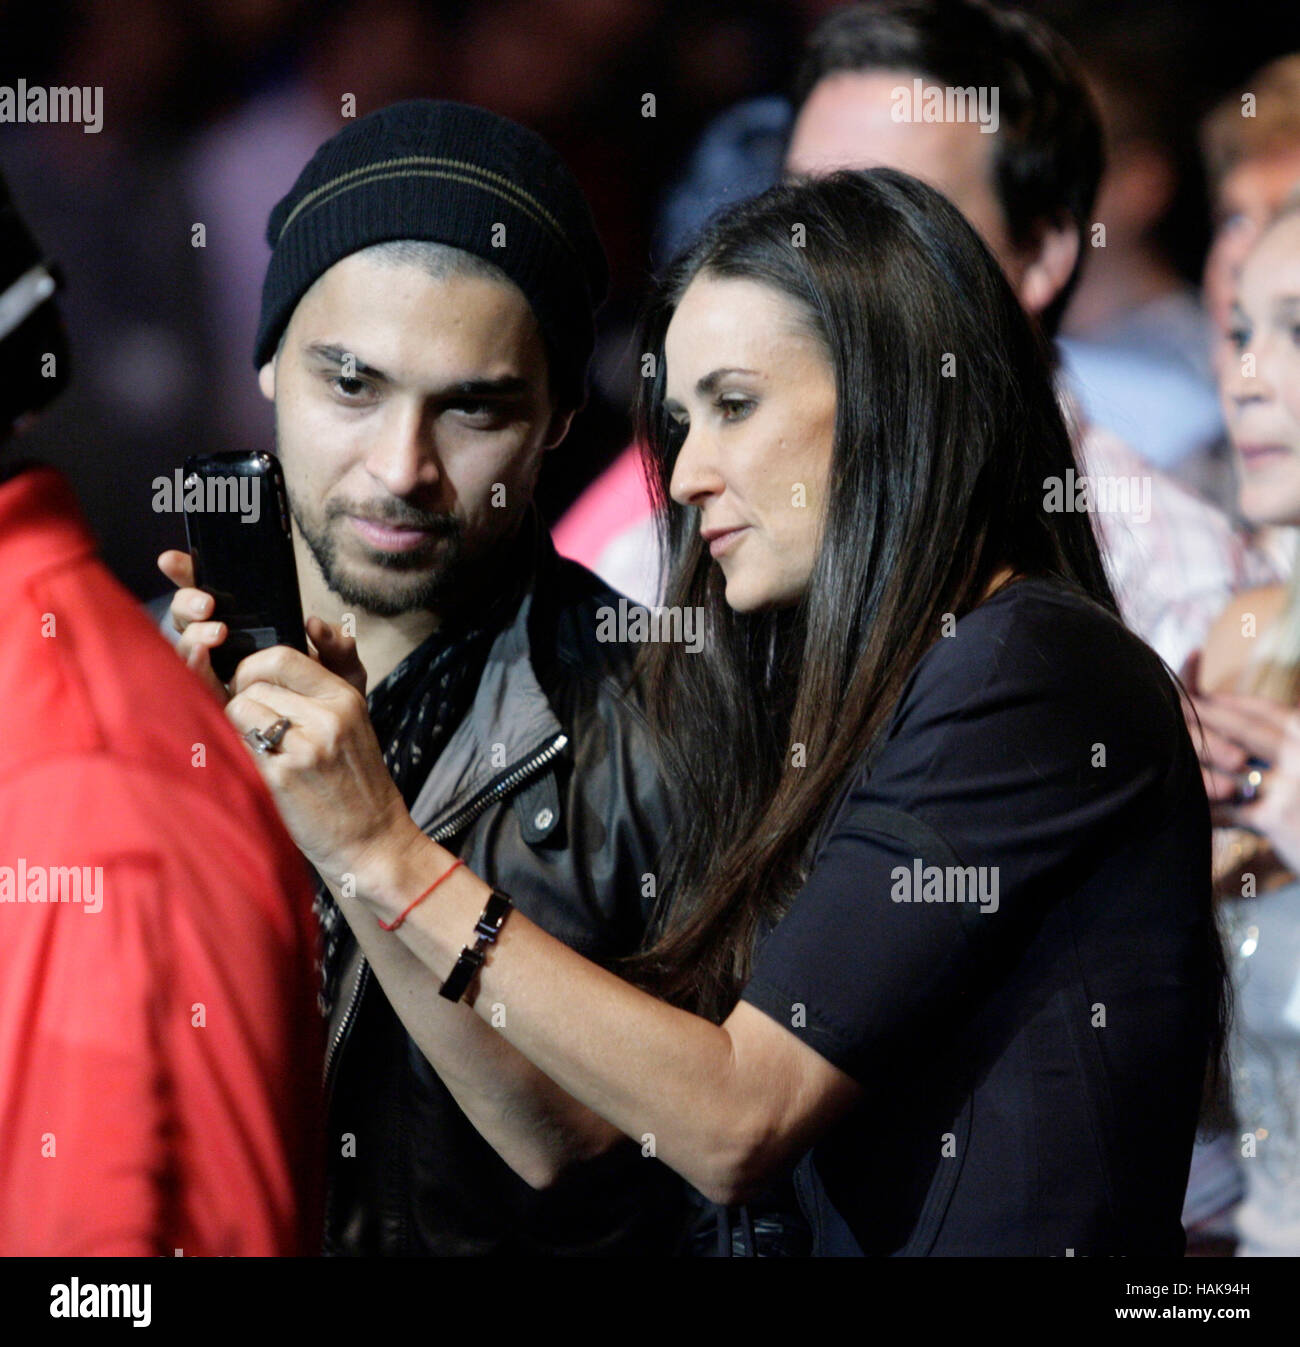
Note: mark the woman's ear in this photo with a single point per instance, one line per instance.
(266, 379)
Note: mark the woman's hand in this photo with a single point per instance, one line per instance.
(1238, 729)
(328, 776)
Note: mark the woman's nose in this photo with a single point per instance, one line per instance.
(695, 474)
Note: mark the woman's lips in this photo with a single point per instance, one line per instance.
(389, 537)
(1259, 455)
(722, 543)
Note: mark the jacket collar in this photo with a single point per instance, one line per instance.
(511, 718)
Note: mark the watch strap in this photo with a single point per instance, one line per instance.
(472, 957)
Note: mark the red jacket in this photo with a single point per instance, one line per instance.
(160, 1047)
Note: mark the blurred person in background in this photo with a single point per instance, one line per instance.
(1248, 681)
(1250, 143)
(160, 1049)
(111, 205)
(1135, 340)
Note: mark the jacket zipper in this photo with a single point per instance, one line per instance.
(510, 780)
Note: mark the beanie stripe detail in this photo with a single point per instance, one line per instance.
(501, 187)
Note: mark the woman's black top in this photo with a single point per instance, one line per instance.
(1006, 939)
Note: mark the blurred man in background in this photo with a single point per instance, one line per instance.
(1135, 340)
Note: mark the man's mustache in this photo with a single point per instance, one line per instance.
(394, 514)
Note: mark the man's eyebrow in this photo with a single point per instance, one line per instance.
(335, 355)
(507, 386)
(708, 383)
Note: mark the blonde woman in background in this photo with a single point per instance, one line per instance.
(1248, 685)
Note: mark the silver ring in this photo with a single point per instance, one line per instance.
(267, 741)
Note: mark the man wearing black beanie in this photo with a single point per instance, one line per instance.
(426, 323)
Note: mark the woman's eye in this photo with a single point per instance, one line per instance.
(735, 409)
(1295, 334)
(1238, 337)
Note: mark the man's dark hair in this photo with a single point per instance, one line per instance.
(1047, 152)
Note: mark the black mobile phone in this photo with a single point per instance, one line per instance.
(237, 523)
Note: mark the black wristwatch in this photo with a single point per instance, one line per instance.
(487, 928)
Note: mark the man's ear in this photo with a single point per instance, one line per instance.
(1049, 267)
(561, 420)
(266, 379)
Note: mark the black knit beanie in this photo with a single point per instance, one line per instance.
(454, 174)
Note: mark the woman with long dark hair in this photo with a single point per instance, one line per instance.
(936, 933)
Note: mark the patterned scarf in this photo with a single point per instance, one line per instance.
(414, 711)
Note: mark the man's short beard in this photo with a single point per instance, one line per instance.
(431, 590)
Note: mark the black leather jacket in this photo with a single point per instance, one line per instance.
(549, 790)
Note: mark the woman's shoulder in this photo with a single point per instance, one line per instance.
(1054, 628)
(1233, 640)
(1030, 592)
(1038, 652)
(1005, 724)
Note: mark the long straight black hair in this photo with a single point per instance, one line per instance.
(946, 427)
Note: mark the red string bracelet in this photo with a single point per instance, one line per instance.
(458, 862)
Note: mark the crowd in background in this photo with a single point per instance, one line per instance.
(210, 108)
(665, 109)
